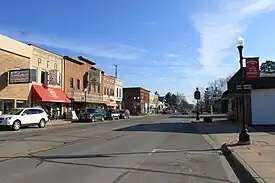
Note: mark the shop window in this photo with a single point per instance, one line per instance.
(21, 103)
(71, 82)
(8, 105)
(78, 84)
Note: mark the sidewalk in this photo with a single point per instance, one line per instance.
(255, 162)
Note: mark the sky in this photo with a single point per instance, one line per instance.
(161, 45)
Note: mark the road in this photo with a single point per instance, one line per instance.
(150, 149)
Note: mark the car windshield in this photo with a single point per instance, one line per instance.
(90, 110)
(15, 111)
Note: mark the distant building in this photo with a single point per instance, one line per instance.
(136, 99)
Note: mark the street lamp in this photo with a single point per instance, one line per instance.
(244, 137)
(85, 97)
(197, 96)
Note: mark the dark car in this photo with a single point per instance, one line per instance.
(91, 115)
(124, 114)
(112, 114)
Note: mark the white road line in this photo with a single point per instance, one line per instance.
(153, 151)
(167, 150)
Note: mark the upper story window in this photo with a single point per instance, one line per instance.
(98, 88)
(44, 77)
(117, 94)
(78, 84)
(71, 82)
(105, 91)
(34, 75)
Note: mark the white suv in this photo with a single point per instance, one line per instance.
(24, 117)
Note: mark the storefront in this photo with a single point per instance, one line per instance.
(50, 98)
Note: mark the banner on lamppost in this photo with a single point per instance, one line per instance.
(252, 68)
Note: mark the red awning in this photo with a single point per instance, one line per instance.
(49, 94)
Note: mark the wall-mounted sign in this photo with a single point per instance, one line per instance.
(252, 68)
(19, 76)
(95, 76)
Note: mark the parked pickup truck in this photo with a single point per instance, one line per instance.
(113, 114)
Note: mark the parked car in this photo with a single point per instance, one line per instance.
(124, 114)
(91, 114)
(19, 117)
(104, 111)
(113, 114)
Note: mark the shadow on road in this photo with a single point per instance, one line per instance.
(56, 159)
(131, 168)
(194, 116)
(180, 127)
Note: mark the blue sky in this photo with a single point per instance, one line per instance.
(160, 45)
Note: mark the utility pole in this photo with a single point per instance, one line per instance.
(115, 70)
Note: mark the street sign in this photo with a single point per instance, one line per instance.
(252, 68)
(246, 87)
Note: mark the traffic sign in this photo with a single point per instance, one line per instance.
(246, 87)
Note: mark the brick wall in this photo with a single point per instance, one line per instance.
(76, 69)
(10, 61)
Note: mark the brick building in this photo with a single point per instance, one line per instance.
(78, 85)
(14, 74)
(136, 99)
(109, 83)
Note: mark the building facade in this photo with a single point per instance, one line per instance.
(118, 93)
(14, 74)
(47, 81)
(136, 100)
(78, 84)
(109, 86)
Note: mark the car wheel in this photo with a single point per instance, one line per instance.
(42, 123)
(16, 125)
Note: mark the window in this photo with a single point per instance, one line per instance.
(38, 111)
(120, 92)
(98, 88)
(117, 94)
(71, 82)
(78, 84)
(44, 77)
(94, 86)
(34, 75)
(108, 92)
(29, 111)
(105, 91)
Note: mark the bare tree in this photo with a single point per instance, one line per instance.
(218, 86)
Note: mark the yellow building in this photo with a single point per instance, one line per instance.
(48, 82)
(14, 74)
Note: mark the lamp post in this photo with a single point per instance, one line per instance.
(85, 97)
(244, 137)
(197, 96)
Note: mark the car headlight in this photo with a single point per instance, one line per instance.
(8, 118)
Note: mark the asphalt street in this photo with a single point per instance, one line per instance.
(150, 149)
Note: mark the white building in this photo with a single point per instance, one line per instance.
(118, 93)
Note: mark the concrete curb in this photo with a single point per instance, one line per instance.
(241, 168)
